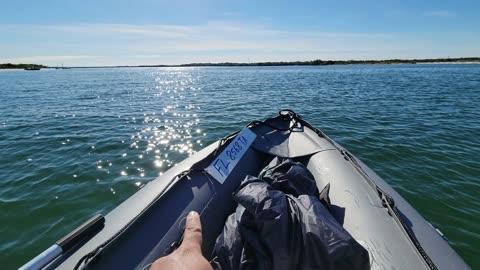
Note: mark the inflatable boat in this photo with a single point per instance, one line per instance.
(150, 223)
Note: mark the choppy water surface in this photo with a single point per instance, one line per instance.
(75, 142)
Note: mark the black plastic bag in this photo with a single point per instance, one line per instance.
(280, 223)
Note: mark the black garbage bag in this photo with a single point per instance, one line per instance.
(281, 223)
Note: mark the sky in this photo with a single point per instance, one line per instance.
(148, 32)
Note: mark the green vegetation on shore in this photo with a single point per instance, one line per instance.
(20, 66)
(317, 62)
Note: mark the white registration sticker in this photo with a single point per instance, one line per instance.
(221, 167)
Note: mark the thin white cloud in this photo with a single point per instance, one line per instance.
(149, 30)
(441, 14)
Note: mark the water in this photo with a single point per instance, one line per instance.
(75, 142)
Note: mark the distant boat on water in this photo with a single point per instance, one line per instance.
(32, 68)
(62, 67)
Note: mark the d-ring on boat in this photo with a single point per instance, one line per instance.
(150, 223)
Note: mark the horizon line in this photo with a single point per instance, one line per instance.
(281, 63)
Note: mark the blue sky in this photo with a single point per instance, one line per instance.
(120, 32)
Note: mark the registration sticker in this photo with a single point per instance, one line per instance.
(221, 167)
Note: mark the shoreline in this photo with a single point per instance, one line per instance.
(277, 65)
(318, 62)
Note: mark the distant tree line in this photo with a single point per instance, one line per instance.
(320, 62)
(20, 66)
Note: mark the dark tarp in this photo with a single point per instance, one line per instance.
(281, 223)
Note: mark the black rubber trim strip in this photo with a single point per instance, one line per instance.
(389, 203)
(68, 241)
